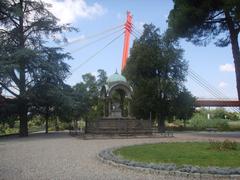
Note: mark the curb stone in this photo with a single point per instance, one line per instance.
(185, 171)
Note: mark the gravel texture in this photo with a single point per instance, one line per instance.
(60, 156)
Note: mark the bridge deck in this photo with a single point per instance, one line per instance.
(217, 103)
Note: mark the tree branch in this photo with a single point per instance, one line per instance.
(220, 20)
(10, 91)
(10, 17)
(14, 77)
(216, 15)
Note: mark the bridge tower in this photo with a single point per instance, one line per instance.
(128, 30)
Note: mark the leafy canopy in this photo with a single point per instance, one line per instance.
(201, 21)
(156, 70)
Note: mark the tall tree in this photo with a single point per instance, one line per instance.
(201, 21)
(156, 71)
(24, 55)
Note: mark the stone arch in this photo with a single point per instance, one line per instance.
(120, 106)
(120, 86)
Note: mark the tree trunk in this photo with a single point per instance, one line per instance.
(23, 109)
(46, 126)
(46, 119)
(236, 57)
(161, 124)
(56, 124)
(23, 131)
(235, 49)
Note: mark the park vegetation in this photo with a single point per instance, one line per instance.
(33, 71)
(157, 71)
(58, 109)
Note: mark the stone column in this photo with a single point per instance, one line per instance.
(104, 107)
(109, 107)
(129, 108)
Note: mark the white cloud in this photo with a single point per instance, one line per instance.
(67, 11)
(227, 68)
(222, 84)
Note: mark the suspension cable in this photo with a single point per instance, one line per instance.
(95, 41)
(136, 30)
(210, 89)
(93, 36)
(96, 53)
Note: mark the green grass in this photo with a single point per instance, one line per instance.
(181, 153)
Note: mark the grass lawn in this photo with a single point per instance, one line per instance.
(181, 153)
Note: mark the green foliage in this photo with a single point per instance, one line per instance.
(85, 95)
(25, 60)
(219, 113)
(184, 105)
(200, 122)
(5, 130)
(203, 21)
(233, 116)
(156, 70)
(234, 125)
(226, 145)
(8, 111)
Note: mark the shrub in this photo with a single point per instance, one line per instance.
(233, 116)
(219, 113)
(200, 122)
(221, 124)
(223, 146)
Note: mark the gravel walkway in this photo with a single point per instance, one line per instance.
(60, 156)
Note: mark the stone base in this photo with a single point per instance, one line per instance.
(116, 114)
(123, 125)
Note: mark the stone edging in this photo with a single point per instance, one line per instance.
(170, 169)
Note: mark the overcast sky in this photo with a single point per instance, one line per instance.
(212, 63)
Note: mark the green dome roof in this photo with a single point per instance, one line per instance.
(116, 78)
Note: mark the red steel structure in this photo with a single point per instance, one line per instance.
(217, 103)
(128, 30)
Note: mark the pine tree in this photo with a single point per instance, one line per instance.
(25, 26)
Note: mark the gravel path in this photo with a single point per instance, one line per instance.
(60, 156)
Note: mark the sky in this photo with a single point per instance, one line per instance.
(91, 17)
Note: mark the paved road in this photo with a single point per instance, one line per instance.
(60, 156)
